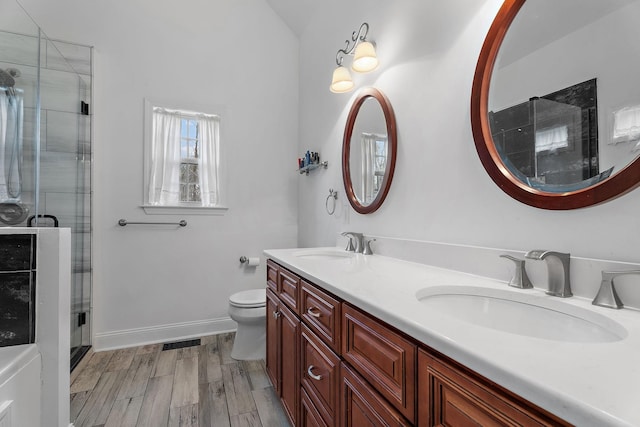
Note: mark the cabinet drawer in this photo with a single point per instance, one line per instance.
(272, 276)
(383, 357)
(321, 312)
(448, 396)
(362, 406)
(288, 288)
(309, 416)
(320, 375)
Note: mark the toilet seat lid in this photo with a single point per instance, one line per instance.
(250, 298)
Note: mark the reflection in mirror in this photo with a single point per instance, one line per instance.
(551, 142)
(555, 103)
(369, 147)
(368, 152)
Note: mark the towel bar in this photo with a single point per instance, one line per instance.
(124, 222)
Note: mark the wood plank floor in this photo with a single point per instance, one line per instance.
(194, 386)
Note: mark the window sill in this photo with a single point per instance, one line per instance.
(184, 210)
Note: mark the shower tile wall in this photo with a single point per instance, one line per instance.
(65, 141)
(17, 289)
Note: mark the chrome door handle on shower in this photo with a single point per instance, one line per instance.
(312, 313)
(312, 375)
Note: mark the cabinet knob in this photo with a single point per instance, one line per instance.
(312, 375)
(311, 311)
(276, 314)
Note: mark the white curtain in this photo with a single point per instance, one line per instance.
(164, 182)
(208, 161)
(552, 138)
(368, 147)
(626, 125)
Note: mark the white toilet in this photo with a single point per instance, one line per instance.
(249, 310)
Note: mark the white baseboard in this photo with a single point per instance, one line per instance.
(163, 333)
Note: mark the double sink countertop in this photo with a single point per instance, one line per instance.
(585, 382)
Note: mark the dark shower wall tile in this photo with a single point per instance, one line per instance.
(17, 308)
(17, 252)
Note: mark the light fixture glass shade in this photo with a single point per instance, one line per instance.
(365, 59)
(341, 81)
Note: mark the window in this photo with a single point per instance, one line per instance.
(189, 167)
(182, 159)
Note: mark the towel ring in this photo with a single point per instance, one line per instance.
(332, 195)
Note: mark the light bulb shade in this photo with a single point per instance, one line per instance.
(365, 59)
(341, 81)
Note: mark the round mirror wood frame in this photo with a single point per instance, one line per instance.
(392, 147)
(616, 185)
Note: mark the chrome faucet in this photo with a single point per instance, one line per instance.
(558, 264)
(607, 295)
(359, 242)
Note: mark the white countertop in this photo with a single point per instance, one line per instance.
(586, 384)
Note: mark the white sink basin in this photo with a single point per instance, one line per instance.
(324, 254)
(521, 313)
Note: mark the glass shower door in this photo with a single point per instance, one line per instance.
(65, 169)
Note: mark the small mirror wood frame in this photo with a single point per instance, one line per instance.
(392, 146)
(616, 185)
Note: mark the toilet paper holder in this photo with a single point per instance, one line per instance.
(250, 261)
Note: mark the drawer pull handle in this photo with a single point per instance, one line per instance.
(276, 314)
(312, 375)
(311, 311)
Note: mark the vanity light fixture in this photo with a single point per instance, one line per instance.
(364, 60)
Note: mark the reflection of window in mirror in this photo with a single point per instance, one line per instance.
(181, 158)
(552, 139)
(374, 162)
(626, 125)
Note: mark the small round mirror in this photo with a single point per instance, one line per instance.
(369, 150)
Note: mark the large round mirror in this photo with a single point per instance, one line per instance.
(369, 150)
(555, 106)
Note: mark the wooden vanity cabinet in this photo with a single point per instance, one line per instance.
(283, 354)
(332, 364)
(450, 395)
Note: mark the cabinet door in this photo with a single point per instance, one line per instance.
(449, 396)
(290, 366)
(320, 375)
(362, 406)
(273, 340)
(382, 357)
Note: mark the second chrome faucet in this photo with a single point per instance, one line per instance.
(558, 266)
